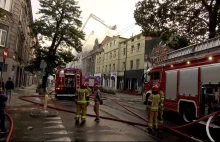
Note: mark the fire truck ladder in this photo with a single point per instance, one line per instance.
(200, 50)
(78, 80)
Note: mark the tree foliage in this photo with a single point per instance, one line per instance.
(59, 25)
(194, 20)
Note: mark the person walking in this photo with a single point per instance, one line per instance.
(153, 103)
(9, 86)
(82, 101)
(98, 102)
(3, 100)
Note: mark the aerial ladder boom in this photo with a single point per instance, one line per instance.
(99, 20)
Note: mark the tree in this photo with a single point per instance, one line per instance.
(59, 24)
(194, 20)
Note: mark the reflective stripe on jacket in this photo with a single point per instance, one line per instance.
(154, 100)
(162, 98)
(81, 96)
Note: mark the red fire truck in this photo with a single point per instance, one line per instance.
(68, 80)
(92, 81)
(190, 78)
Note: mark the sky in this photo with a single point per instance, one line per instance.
(112, 12)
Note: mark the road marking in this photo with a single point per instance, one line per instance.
(56, 126)
(66, 139)
(58, 132)
(57, 122)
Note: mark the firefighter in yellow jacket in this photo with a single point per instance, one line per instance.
(82, 101)
(161, 108)
(153, 103)
(87, 87)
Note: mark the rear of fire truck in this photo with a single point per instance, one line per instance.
(190, 80)
(67, 82)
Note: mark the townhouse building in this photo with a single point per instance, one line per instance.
(15, 36)
(131, 63)
(111, 63)
(99, 65)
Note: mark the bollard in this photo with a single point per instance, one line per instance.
(46, 98)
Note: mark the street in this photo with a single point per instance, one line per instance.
(63, 127)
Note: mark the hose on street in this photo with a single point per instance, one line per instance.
(172, 129)
(114, 119)
(10, 129)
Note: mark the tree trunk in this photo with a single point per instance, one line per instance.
(44, 81)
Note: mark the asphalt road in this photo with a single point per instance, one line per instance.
(63, 127)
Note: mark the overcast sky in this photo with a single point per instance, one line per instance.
(119, 12)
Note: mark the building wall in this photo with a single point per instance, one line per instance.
(18, 41)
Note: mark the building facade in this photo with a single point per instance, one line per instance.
(89, 60)
(99, 65)
(111, 62)
(132, 62)
(15, 35)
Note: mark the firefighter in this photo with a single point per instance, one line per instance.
(87, 87)
(161, 108)
(153, 104)
(82, 101)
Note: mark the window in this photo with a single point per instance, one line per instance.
(106, 56)
(132, 39)
(99, 69)
(114, 42)
(139, 37)
(106, 68)
(103, 69)
(5, 67)
(113, 67)
(124, 51)
(131, 64)
(123, 66)
(5, 4)
(156, 75)
(132, 48)
(138, 47)
(137, 63)
(110, 55)
(110, 67)
(114, 53)
(110, 44)
(3, 36)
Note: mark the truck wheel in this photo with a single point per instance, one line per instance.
(187, 116)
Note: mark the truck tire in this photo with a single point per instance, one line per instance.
(188, 115)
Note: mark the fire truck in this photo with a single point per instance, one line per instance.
(190, 79)
(92, 81)
(68, 80)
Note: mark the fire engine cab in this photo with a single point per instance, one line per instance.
(67, 82)
(92, 81)
(190, 79)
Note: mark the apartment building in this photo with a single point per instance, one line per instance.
(131, 63)
(111, 62)
(89, 60)
(99, 65)
(15, 35)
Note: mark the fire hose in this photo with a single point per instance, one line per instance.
(173, 129)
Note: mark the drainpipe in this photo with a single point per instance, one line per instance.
(126, 51)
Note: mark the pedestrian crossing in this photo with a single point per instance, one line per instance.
(56, 123)
(51, 129)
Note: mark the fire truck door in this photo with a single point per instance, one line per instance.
(69, 84)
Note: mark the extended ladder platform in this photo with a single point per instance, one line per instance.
(194, 51)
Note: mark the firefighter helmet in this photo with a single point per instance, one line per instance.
(85, 84)
(155, 88)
